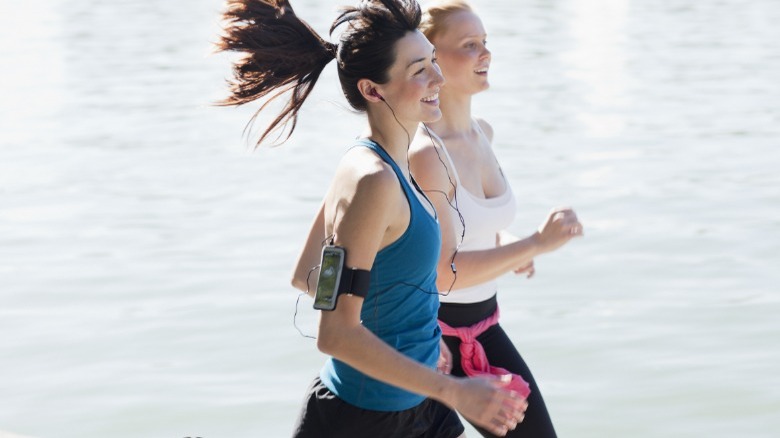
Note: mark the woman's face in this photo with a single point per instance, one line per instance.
(462, 52)
(415, 79)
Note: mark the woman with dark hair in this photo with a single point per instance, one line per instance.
(381, 378)
(474, 238)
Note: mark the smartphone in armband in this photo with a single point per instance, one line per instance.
(330, 276)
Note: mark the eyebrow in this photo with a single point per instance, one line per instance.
(474, 35)
(433, 55)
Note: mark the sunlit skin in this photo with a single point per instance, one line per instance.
(461, 47)
(412, 91)
(365, 210)
(463, 54)
(464, 59)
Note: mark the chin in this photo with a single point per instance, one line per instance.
(481, 87)
(431, 116)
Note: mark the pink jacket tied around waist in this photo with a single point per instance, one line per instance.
(473, 358)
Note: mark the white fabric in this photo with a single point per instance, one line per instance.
(484, 218)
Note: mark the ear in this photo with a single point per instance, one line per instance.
(370, 90)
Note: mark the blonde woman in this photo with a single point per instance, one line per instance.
(475, 204)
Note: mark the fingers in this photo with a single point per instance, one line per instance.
(576, 229)
(526, 269)
(444, 364)
(510, 415)
(562, 214)
(506, 422)
(500, 428)
(565, 209)
(512, 405)
(570, 225)
(501, 381)
(490, 404)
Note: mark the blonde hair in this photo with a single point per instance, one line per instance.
(436, 13)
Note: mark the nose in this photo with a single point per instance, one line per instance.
(438, 78)
(485, 53)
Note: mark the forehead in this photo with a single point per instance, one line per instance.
(462, 24)
(412, 47)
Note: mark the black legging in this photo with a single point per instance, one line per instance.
(501, 353)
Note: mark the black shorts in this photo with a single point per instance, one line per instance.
(324, 415)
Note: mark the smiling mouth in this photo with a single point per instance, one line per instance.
(432, 98)
(481, 71)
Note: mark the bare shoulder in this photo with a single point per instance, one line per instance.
(363, 174)
(429, 166)
(486, 128)
(421, 144)
(362, 205)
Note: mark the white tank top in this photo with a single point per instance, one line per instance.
(483, 218)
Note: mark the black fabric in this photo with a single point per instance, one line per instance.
(501, 353)
(464, 315)
(324, 415)
(354, 281)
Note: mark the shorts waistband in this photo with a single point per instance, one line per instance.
(467, 314)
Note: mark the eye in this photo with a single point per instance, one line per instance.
(435, 60)
(470, 45)
(484, 42)
(419, 71)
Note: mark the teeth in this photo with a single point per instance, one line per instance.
(482, 70)
(431, 98)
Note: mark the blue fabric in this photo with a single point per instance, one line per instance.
(401, 307)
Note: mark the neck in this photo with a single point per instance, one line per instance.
(391, 135)
(456, 114)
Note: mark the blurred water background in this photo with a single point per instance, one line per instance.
(145, 248)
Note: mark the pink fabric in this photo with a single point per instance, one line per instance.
(473, 358)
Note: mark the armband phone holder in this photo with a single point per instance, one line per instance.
(335, 279)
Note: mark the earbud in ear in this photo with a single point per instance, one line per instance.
(376, 94)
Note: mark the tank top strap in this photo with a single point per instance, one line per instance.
(411, 193)
(364, 142)
(482, 131)
(479, 129)
(446, 154)
(374, 146)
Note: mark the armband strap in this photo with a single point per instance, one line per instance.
(354, 282)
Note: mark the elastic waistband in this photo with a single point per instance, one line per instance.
(467, 314)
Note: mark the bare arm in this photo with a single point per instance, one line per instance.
(479, 399)
(504, 237)
(475, 267)
(310, 255)
(365, 212)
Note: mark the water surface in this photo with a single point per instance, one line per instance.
(145, 250)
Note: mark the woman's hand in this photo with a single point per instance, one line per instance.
(526, 269)
(486, 402)
(560, 226)
(444, 365)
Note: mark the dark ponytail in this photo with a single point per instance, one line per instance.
(281, 53)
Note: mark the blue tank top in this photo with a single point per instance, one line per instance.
(400, 308)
